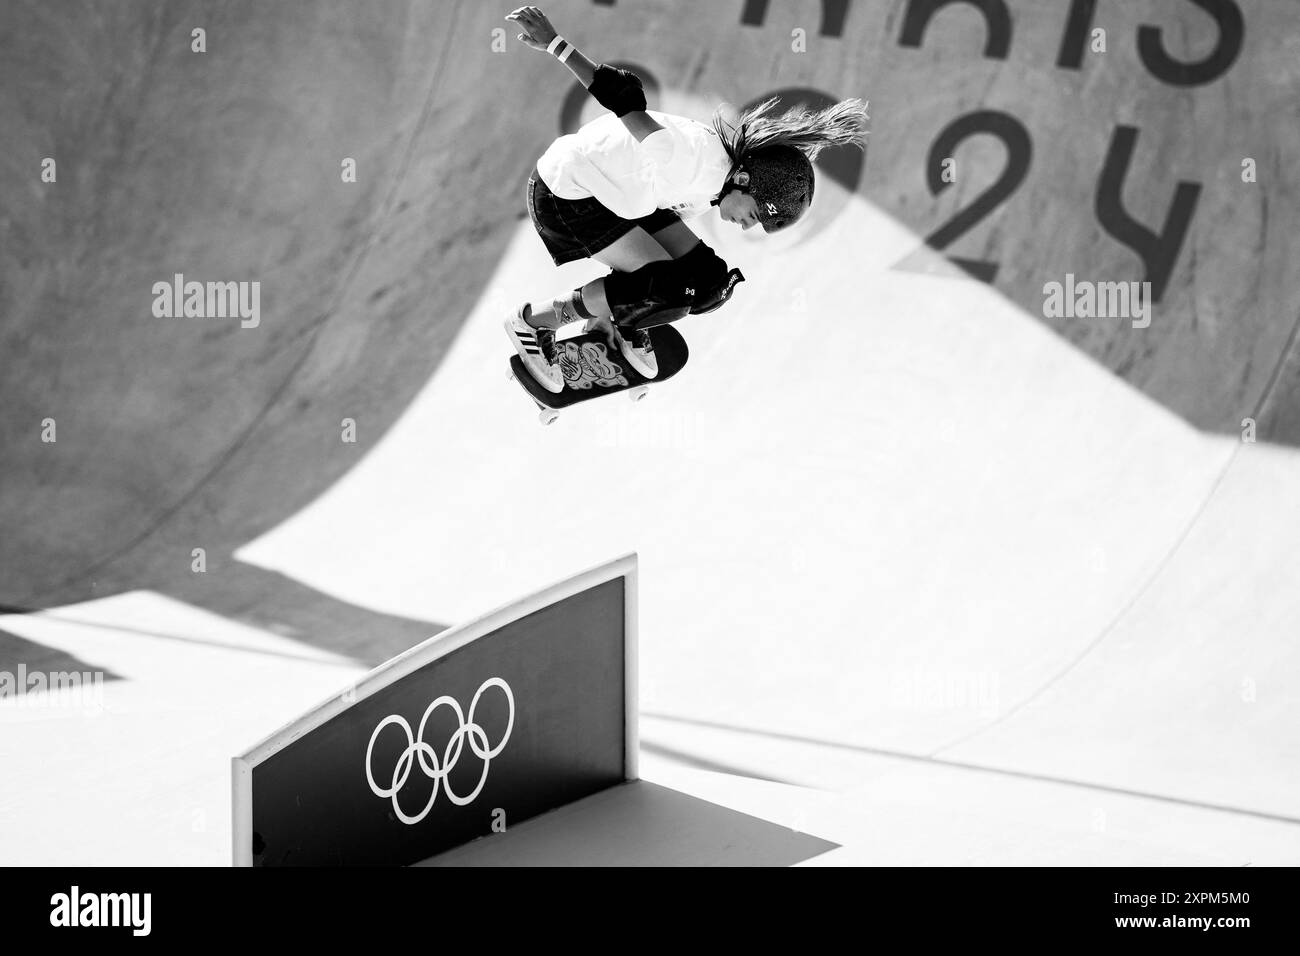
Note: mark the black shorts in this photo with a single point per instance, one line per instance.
(579, 228)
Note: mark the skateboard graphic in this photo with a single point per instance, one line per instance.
(592, 370)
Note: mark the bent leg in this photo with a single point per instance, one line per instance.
(694, 280)
(632, 251)
(636, 249)
(629, 253)
(672, 241)
(677, 239)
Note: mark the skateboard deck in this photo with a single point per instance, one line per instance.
(592, 370)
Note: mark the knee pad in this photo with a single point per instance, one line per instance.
(710, 277)
(697, 282)
(655, 287)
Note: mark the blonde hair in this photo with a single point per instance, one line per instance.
(808, 130)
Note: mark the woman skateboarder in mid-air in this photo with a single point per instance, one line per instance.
(618, 189)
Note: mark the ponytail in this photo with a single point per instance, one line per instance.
(808, 130)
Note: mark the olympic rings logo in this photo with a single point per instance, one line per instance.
(439, 772)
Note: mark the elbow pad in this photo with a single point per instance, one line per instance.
(619, 91)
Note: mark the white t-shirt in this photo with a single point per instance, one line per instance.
(681, 167)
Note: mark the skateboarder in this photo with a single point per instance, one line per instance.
(618, 189)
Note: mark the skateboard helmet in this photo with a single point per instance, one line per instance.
(781, 183)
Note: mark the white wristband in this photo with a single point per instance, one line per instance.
(563, 46)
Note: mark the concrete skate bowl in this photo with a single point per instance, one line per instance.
(228, 166)
(1130, 142)
(175, 434)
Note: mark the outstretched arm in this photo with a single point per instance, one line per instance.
(540, 35)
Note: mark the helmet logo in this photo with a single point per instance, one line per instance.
(771, 208)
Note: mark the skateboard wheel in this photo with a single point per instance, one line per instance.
(638, 393)
(547, 416)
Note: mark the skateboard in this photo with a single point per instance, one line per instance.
(592, 371)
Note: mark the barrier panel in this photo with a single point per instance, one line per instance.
(481, 727)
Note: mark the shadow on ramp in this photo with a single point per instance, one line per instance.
(254, 597)
(15, 650)
(639, 824)
(275, 602)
